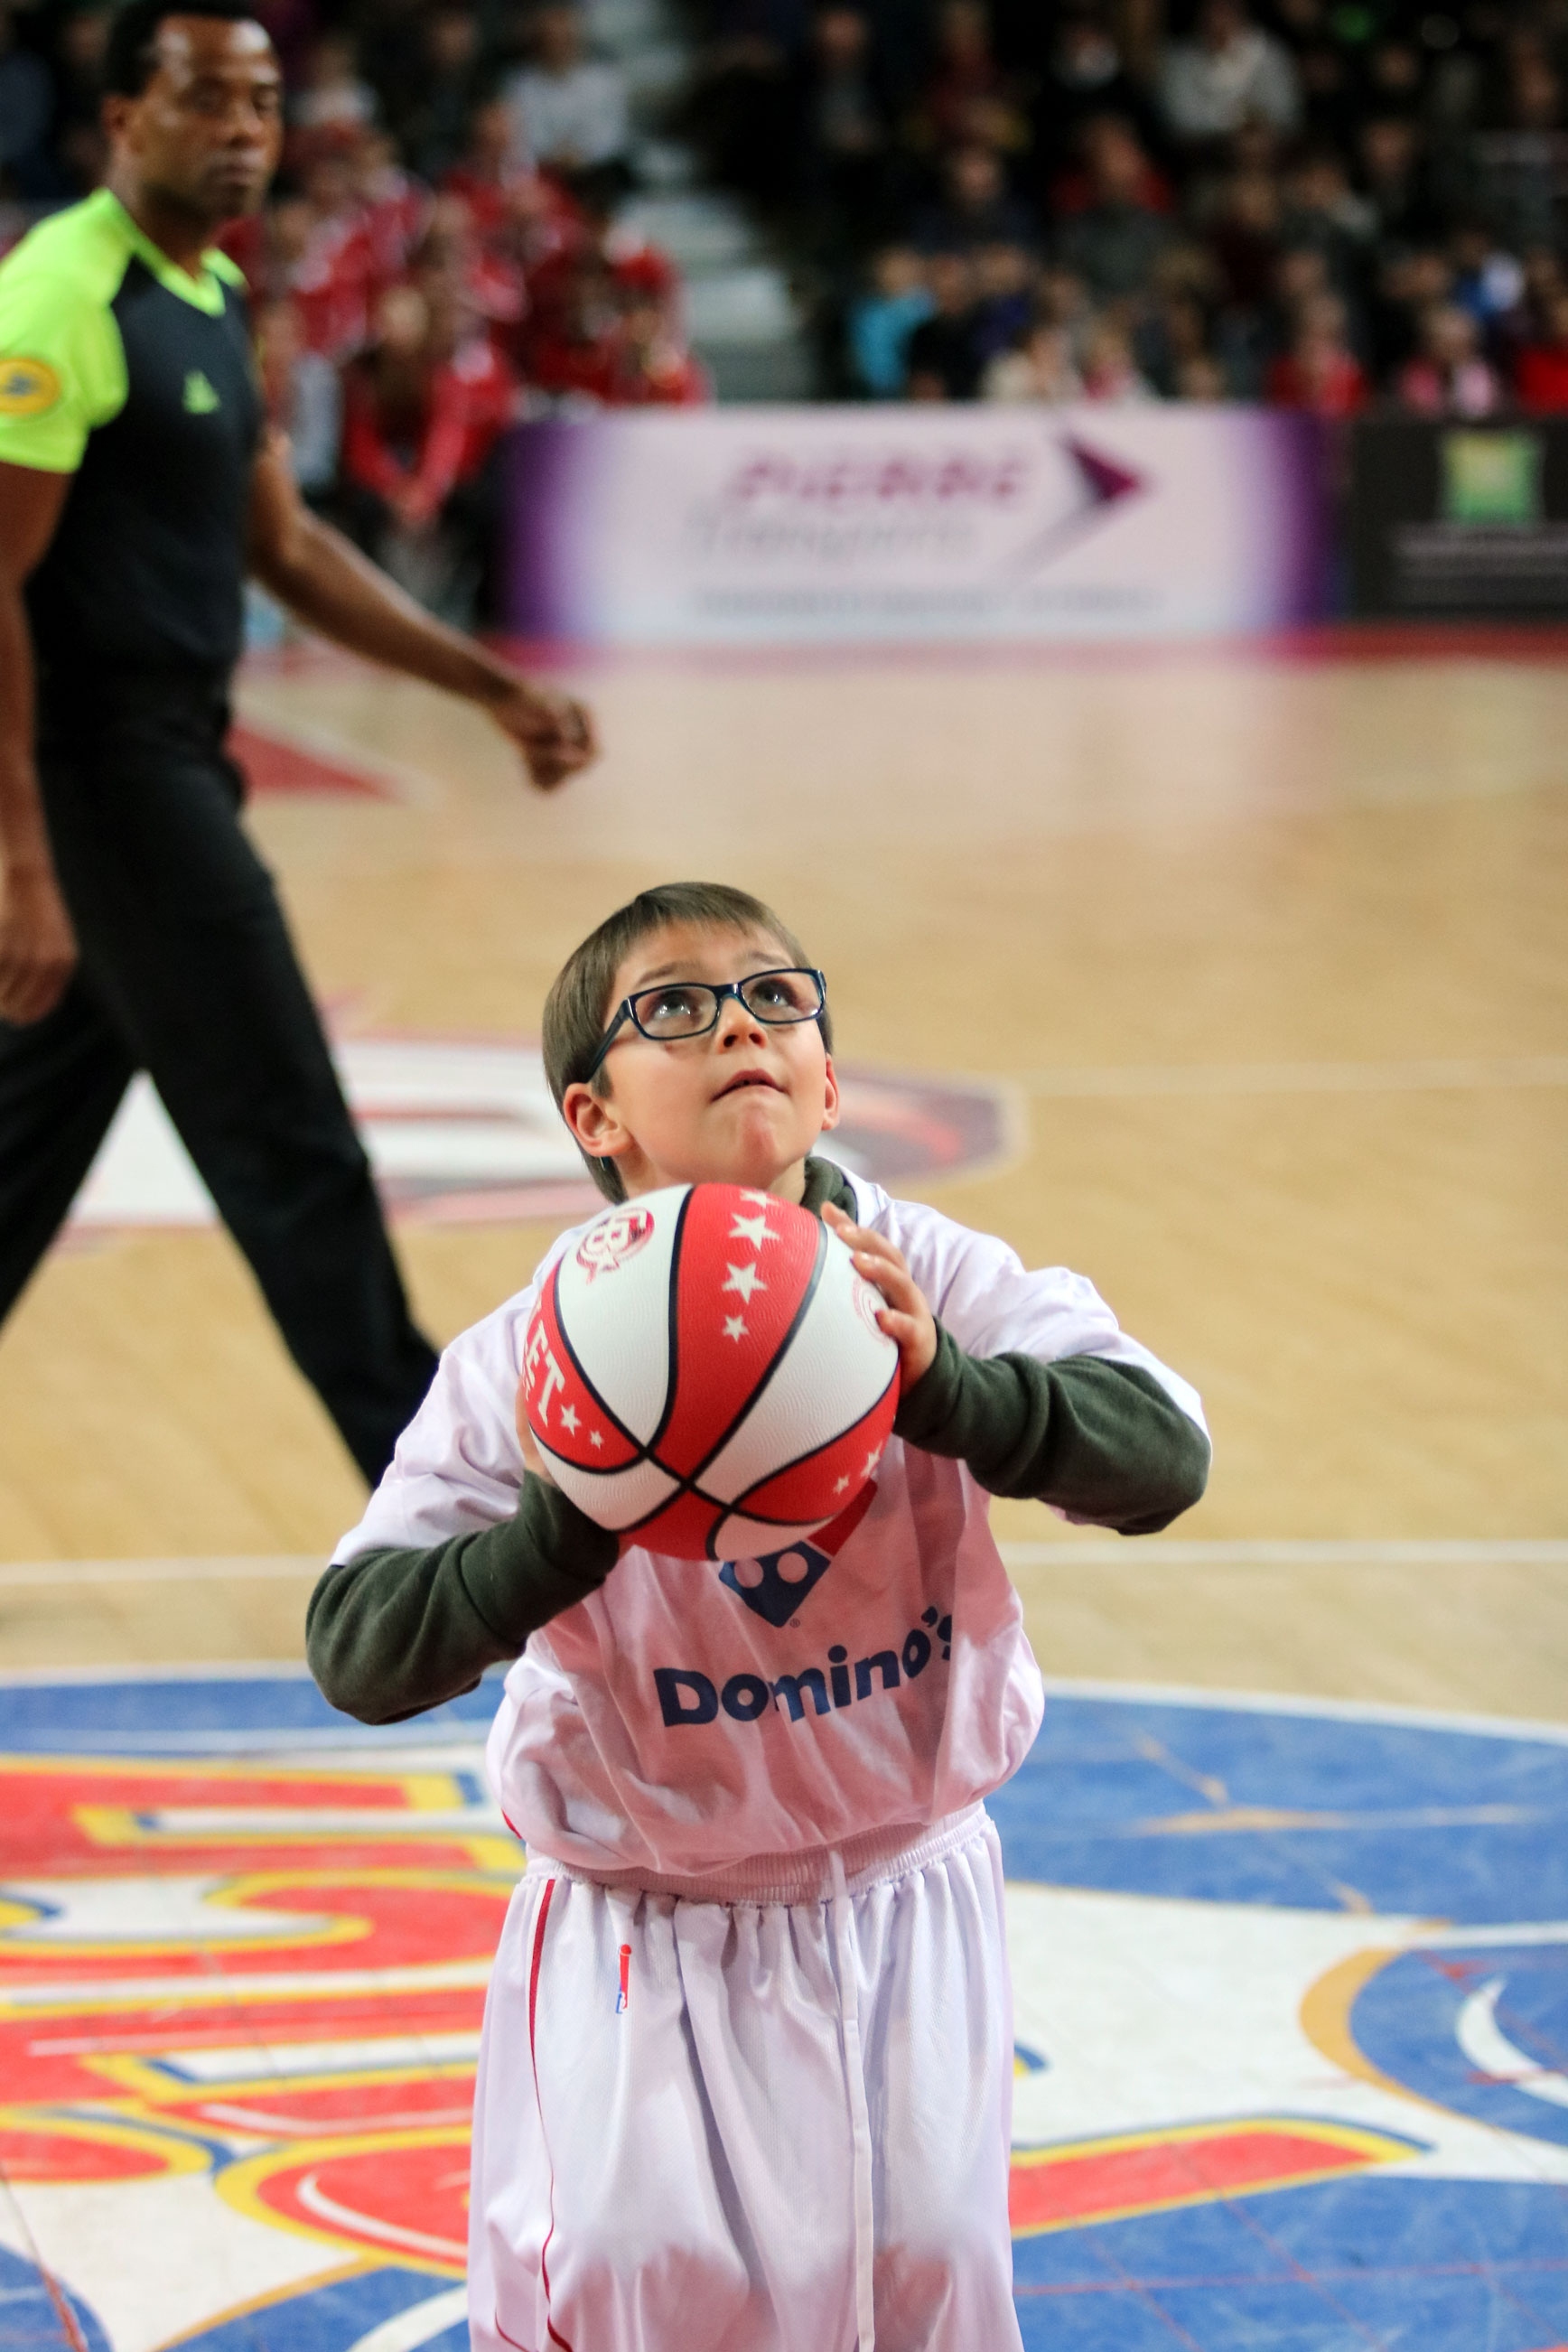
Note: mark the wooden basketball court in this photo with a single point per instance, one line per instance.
(1262, 955)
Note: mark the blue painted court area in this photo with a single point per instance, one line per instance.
(1293, 2013)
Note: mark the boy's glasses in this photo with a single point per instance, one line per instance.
(690, 1008)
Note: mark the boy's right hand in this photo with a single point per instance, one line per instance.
(533, 1459)
(533, 1462)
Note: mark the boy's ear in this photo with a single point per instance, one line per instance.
(595, 1123)
(830, 1097)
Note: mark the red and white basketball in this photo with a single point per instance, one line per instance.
(706, 1368)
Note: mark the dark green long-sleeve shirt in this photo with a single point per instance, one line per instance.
(395, 1631)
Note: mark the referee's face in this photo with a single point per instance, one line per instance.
(207, 129)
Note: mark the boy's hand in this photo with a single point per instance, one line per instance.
(533, 1462)
(906, 1319)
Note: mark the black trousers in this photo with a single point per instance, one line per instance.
(188, 972)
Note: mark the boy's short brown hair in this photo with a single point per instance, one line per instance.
(578, 1005)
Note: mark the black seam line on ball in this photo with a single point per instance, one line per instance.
(689, 1486)
(672, 1351)
(687, 1483)
(552, 1292)
(814, 1283)
(742, 1500)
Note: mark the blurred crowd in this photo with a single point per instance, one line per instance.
(1321, 203)
(1325, 205)
(440, 255)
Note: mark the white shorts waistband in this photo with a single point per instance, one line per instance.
(804, 1877)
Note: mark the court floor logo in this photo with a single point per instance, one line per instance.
(463, 1131)
(1292, 1999)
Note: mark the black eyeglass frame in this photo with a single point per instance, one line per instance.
(626, 1009)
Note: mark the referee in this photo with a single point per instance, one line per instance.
(139, 930)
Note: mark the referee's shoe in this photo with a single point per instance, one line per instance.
(138, 928)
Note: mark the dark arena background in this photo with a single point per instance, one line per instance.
(1069, 502)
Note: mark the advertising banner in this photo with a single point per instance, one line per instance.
(1460, 520)
(768, 526)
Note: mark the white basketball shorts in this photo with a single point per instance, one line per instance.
(776, 2123)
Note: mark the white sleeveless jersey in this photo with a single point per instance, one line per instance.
(688, 1719)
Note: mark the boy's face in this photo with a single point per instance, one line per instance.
(742, 1105)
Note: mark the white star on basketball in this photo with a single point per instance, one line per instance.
(734, 1327)
(745, 1279)
(595, 1437)
(753, 1229)
(840, 1485)
(569, 1418)
(871, 1461)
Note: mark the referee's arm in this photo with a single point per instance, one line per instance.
(37, 946)
(323, 578)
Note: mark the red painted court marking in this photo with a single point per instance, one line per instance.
(399, 2199)
(54, 2156)
(274, 766)
(1056, 2189)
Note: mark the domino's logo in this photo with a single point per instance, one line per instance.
(687, 1695)
(775, 1584)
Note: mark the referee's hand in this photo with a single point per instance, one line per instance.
(37, 945)
(554, 733)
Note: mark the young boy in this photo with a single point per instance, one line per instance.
(745, 2083)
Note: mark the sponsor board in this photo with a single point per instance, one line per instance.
(463, 1131)
(1291, 1993)
(876, 524)
(1452, 519)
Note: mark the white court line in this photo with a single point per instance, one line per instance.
(1266, 1551)
(1098, 1551)
(1339, 1710)
(161, 1571)
(406, 2330)
(185, 1670)
(217, 2068)
(315, 2199)
(45, 1998)
(1301, 1078)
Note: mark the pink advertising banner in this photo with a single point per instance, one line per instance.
(810, 526)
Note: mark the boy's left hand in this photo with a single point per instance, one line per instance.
(906, 1319)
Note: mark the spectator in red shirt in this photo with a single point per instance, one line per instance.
(1543, 379)
(424, 407)
(1320, 372)
(395, 205)
(320, 252)
(610, 336)
(588, 260)
(653, 366)
(1449, 375)
(573, 351)
(486, 278)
